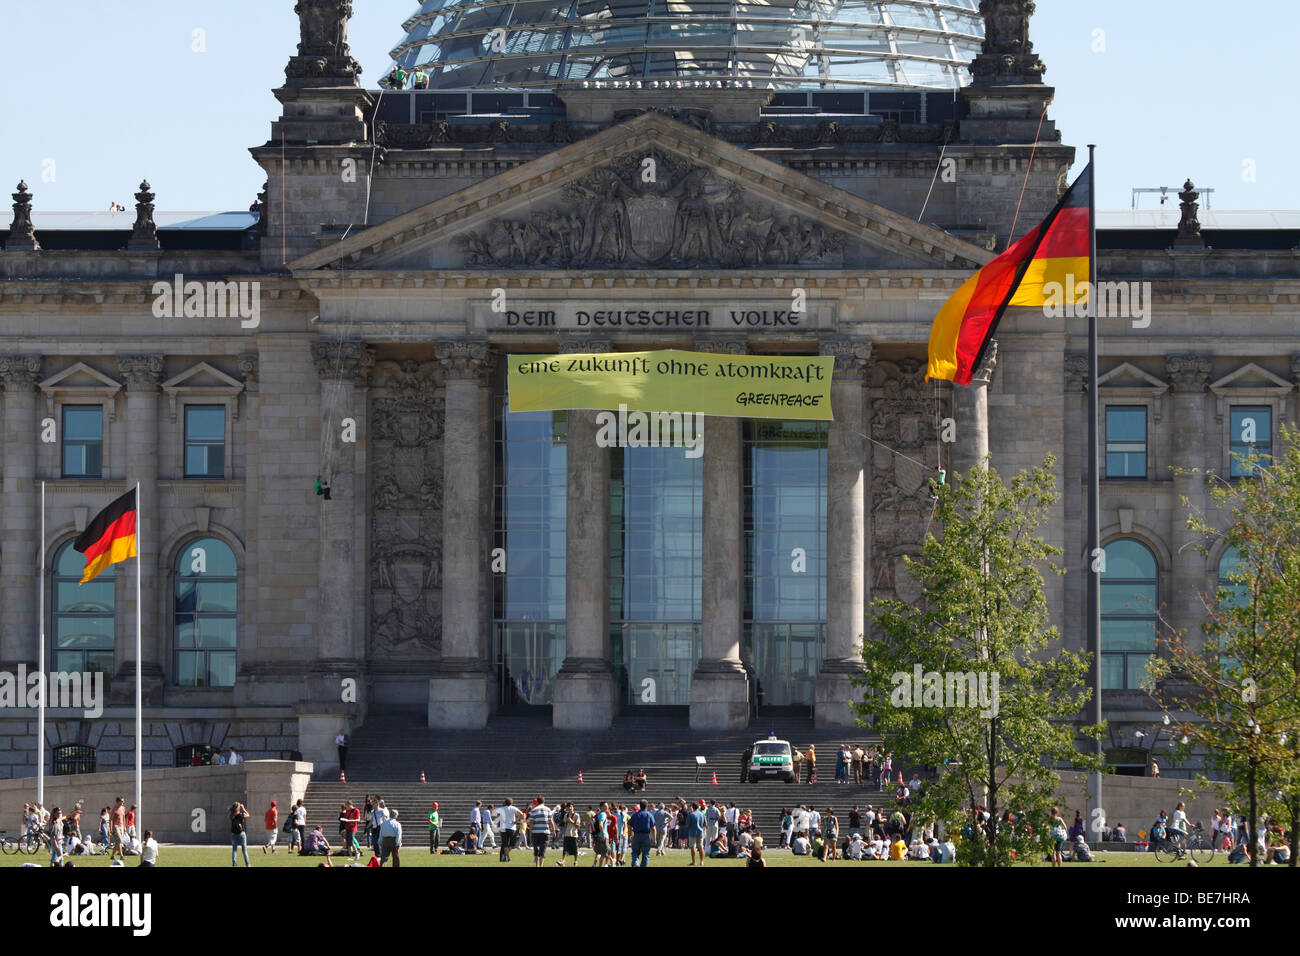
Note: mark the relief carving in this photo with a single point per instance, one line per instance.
(684, 216)
(406, 416)
(905, 415)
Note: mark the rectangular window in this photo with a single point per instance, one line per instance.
(1250, 433)
(1126, 442)
(83, 441)
(205, 441)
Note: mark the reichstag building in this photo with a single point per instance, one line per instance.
(463, 561)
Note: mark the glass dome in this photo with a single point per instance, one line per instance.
(791, 44)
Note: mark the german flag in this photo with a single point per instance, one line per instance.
(109, 538)
(1055, 249)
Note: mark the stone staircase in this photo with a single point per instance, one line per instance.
(521, 757)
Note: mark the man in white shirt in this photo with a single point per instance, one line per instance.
(801, 846)
(234, 757)
(914, 784)
(341, 742)
(732, 817)
(800, 820)
(476, 819)
(814, 823)
(868, 822)
(508, 818)
(390, 841)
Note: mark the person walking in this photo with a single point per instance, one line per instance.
(858, 756)
(341, 742)
(351, 823)
(118, 817)
(886, 769)
(378, 814)
(810, 758)
(541, 827)
(509, 817)
(390, 841)
(433, 828)
(476, 819)
(663, 819)
(272, 823)
(713, 817)
(238, 832)
(488, 837)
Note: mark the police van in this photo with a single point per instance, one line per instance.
(771, 759)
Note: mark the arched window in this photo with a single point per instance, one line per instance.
(83, 616)
(206, 602)
(196, 755)
(1128, 614)
(1240, 593)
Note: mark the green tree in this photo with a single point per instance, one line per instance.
(1239, 683)
(982, 611)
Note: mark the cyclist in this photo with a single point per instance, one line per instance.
(1178, 827)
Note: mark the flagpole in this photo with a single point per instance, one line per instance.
(40, 663)
(1094, 565)
(139, 803)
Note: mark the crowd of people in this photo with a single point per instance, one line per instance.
(62, 834)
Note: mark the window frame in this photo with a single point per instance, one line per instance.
(185, 440)
(53, 650)
(1146, 441)
(62, 420)
(176, 580)
(1153, 616)
(1231, 449)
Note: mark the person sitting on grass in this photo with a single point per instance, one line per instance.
(856, 847)
(756, 858)
(315, 844)
(801, 846)
(918, 850)
(719, 848)
(898, 849)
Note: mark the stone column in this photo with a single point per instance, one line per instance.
(971, 410)
(1188, 377)
(19, 521)
(720, 685)
(462, 692)
(344, 369)
(846, 535)
(142, 374)
(585, 696)
(248, 578)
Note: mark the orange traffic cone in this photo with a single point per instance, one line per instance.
(422, 780)
(715, 778)
(343, 778)
(579, 776)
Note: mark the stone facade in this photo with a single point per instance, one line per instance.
(380, 598)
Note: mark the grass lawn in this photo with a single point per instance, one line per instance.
(218, 856)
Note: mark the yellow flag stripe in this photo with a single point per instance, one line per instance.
(943, 334)
(119, 550)
(1063, 271)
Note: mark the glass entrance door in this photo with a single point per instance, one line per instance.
(660, 659)
(786, 659)
(529, 655)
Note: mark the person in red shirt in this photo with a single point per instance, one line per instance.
(130, 822)
(352, 818)
(272, 828)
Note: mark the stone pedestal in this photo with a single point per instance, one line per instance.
(461, 698)
(462, 692)
(846, 536)
(585, 693)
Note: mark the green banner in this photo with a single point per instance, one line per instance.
(738, 386)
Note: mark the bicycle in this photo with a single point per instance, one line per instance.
(29, 843)
(1177, 844)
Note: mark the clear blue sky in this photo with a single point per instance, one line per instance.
(113, 91)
